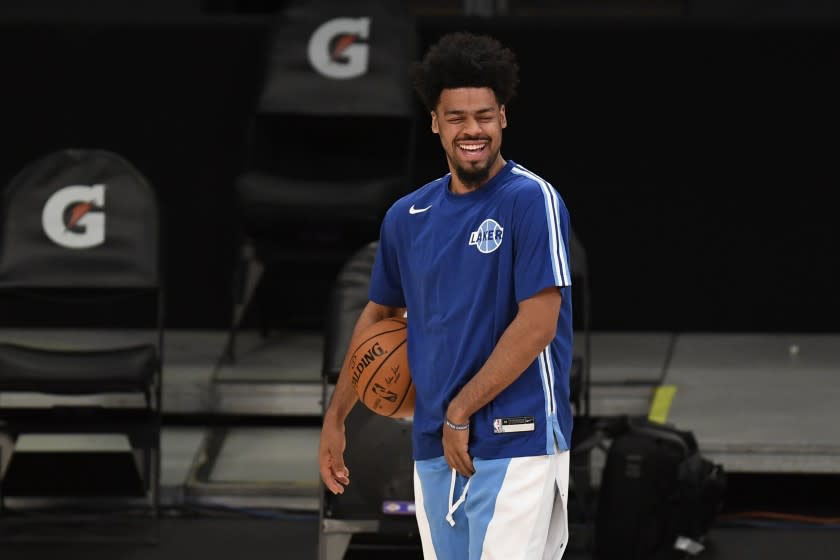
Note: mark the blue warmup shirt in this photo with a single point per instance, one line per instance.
(461, 264)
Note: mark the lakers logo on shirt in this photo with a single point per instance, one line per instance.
(488, 237)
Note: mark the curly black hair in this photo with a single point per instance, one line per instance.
(463, 59)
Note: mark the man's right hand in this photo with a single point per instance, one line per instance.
(331, 456)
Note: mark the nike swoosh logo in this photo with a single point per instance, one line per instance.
(414, 210)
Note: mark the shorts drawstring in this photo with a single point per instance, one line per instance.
(454, 507)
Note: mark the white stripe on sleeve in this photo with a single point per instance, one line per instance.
(557, 248)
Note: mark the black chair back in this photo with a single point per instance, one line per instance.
(338, 58)
(79, 219)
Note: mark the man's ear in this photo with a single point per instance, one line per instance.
(435, 128)
(503, 116)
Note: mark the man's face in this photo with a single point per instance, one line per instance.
(469, 122)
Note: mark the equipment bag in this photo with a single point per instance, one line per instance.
(658, 495)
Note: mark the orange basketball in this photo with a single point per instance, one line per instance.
(378, 369)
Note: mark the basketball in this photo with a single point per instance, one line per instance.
(378, 369)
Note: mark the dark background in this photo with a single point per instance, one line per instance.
(695, 144)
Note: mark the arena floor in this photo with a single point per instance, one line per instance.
(239, 446)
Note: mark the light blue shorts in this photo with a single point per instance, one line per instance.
(510, 509)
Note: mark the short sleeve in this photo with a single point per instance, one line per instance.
(385, 281)
(541, 245)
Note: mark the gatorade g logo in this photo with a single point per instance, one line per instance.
(335, 51)
(73, 216)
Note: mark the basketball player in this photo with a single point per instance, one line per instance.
(479, 258)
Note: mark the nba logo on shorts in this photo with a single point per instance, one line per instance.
(488, 237)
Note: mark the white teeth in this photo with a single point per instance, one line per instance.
(471, 147)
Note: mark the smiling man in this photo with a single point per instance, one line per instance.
(479, 258)
(470, 122)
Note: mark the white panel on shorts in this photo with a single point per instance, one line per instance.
(530, 519)
(423, 520)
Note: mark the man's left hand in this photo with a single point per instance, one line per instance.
(456, 450)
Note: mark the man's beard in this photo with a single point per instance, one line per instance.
(475, 177)
(472, 177)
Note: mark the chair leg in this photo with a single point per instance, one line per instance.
(2, 479)
(7, 444)
(265, 323)
(155, 481)
(247, 276)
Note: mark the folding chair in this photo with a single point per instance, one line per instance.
(80, 270)
(329, 148)
(359, 510)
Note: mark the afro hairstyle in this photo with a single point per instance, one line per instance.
(461, 60)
